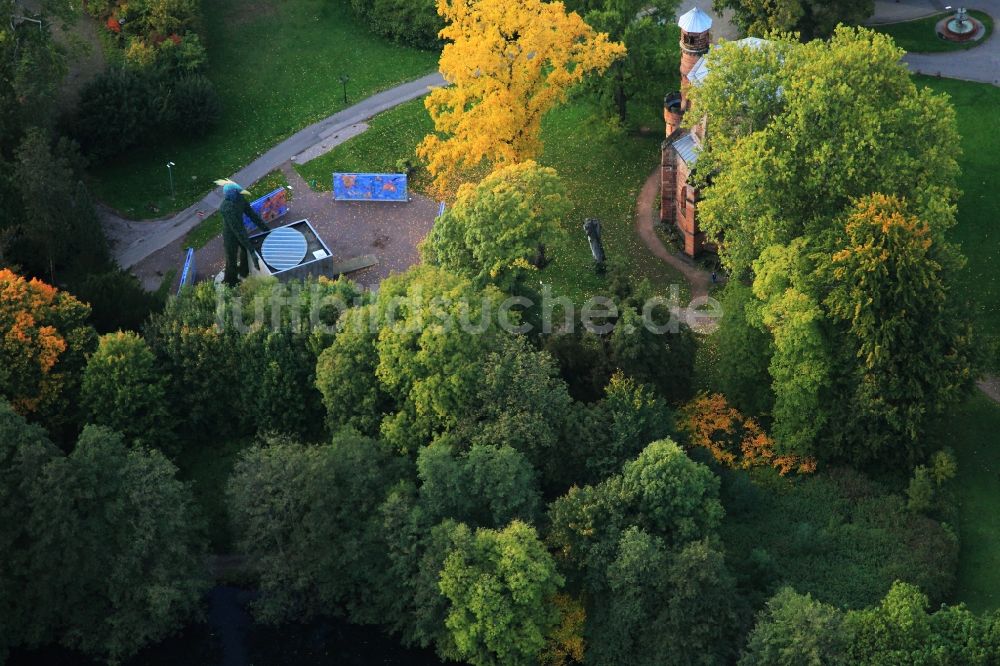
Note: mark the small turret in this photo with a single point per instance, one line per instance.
(696, 35)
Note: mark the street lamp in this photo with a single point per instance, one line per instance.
(344, 78)
(170, 172)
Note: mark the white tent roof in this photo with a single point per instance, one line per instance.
(695, 21)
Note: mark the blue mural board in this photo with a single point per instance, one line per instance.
(271, 206)
(188, 272)
(369, 187)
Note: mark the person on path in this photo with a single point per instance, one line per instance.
(234, 233)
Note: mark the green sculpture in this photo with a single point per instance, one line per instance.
(234, 233)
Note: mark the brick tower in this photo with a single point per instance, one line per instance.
(678, 200)
(696, 35)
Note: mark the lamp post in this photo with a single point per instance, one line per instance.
(344, 78)
(170, 173)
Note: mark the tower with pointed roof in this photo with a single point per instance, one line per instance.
(678, 198)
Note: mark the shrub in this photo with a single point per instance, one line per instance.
(117, 301)
(413, 22)
(124, 390)
(116, 112)
(194, 106)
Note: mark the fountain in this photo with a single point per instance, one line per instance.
(961, 27)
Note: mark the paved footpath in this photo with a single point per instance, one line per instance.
(980, 63)
(133, 241)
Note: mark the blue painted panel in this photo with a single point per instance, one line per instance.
(271, 206)
(188, 273)
(369, 187)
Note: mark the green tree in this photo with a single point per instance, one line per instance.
(501, 585)
(801, 365)
(899, 630)
(124, 390)
(662, 359)
(307, 518)
(849, 121)
(811, 18)
(795, 629)
(485, 486)
(435, 332)
(496, 230)
(522, 403)
(913, 348)
(47, 183)
(135, 540)
(28, 599)
(345, 376)
(632, 416)
(644, 28)
(745, 350)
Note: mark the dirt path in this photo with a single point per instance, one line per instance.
(699, 279)
(990, 386)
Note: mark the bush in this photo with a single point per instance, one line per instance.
(194, 106)
(117, 301)
(413, 22)
(116, 111)
(125, 391)
(838, 536)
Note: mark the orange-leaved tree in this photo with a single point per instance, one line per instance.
(44, 337)
(733, 439)
(508, 63)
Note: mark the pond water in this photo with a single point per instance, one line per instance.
(230, 637)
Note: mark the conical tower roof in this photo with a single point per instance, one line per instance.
(695, 21)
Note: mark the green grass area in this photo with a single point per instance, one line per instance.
(211, 226)
(390, 137)
(276, 67)
(977, 230)
(972, 431)
(207, 468)
(603, 168)
(920, 36)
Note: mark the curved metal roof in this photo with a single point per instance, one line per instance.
(695, 21)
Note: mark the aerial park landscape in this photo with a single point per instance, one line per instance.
(490, 333)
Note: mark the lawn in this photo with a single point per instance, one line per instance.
(977, 231)
(603, 168)
(972, 432)
(920, 36)
(276, 67)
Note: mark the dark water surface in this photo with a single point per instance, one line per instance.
(231, 638)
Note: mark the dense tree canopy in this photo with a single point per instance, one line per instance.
(102, 548)
(811, 18)
(645, 29)
(501, 585)
(833, 184)
(305, 515)
(848, 122)
(123, 389)
(796, 629)
(509, 64)
(496, 230)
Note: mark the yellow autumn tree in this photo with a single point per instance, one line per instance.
(508, 63)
